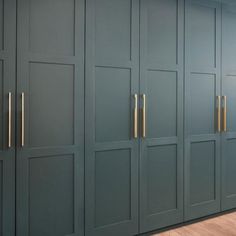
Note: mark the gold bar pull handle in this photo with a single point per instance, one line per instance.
(219, 114)
(22, 119)
(144, 116)
(225, 114)
(135, 116)
(9, 119)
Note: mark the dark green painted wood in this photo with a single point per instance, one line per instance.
(202, 85)
(161, 79)
(50, 70)
(111, 153)
(7, 84)
(228, 89)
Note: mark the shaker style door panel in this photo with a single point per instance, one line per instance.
(50, 101)
(202, 139)
(229, 120)
(111, 154)
(7, 116)
(161, 80)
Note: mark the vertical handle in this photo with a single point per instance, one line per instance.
(219, 114)
(225, 114)
(22, 119)
(9, 118)
(135, 116)
(144, 116)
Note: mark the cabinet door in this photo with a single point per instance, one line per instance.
(202, 141)
(111, 153)
(228, 89)
(161, 80)
(7, 85)
(50, 74)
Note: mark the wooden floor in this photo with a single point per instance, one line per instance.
(219, 226)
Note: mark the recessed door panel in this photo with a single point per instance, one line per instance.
(51, 199)
(162, 105)
(203, 34)
(162, 189)
(112, 30)
(202, 108)
(51, 104)
(112, 80)
(7, 127)
(229, 85)
(1, 200)
(161, 80)
(230, 173)
(162, 35)
(52, 28)
(228, 37)
(229, 122)
(1, 23)
(50, 143)
(202, 172)
(1, 104)
(113, 104)
(116, 188)
(202, 104)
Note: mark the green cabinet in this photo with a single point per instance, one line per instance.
(42, 118)
(161, 80)
(111, 151)
(202, 86)
(117, 117)
(177, 59)
(7, 116)
(50, 147)
(228, 90)
(209, 108)
(133, 184)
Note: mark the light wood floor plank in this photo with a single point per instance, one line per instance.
(219, 226)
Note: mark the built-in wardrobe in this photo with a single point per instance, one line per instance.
(117, 117)
(42, 117)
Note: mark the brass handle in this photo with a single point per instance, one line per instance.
(22, 119)
(135, 116)
(225, 114)
(219, 113)
(9, 118)
(144, 116)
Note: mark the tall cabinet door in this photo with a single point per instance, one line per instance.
(50, 117)
(7, 117)
(202, 137)
(229, 90)
(111, 153)
(161, 81)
